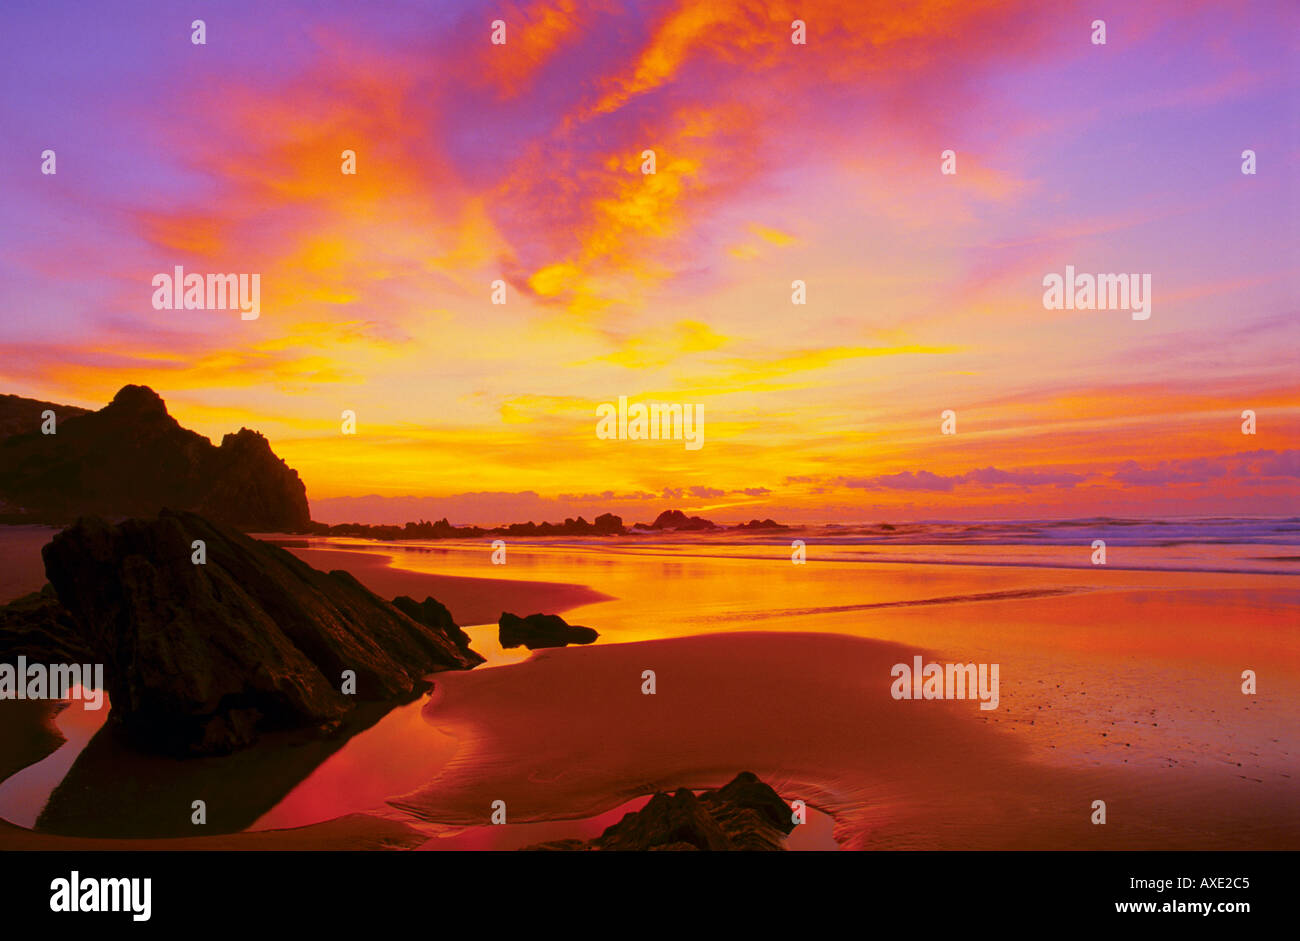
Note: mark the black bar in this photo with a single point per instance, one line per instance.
(328, 890)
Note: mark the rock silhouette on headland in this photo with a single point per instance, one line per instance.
(746, 814)
(541, 630)
(677, 521)
(199, 658)
(20, 416)
(761, 524)
(131, 458)
(606, 524)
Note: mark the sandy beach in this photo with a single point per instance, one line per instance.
(471, 599)
(808, 714)
(1121, 685)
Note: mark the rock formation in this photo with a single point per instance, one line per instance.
(679, 521)
(541, 630)
(432, 613)
(606, 524)
(131, 458)
(746, 814)
(761, 524)
(38, 627)
(20, 416)
(198, 658)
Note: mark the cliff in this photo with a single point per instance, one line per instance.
(131, 458)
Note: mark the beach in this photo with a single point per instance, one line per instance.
(1119, 683)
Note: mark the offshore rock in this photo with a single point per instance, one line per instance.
(746, 814)
(541, 630)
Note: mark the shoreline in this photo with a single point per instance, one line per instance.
(1115, 694)
(471, 600)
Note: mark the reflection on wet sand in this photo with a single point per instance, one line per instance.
(113, 790)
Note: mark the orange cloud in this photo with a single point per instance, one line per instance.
(535, 34)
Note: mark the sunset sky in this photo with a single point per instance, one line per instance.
(775, 162)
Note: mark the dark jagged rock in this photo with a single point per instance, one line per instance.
(607, 524)
(753, 816)
(667, 821)
(679, 521)
(39, 627)
(761, 524)
(198, 658)
(541, 630)
(131, 458)
(252, 489)
(746, 814)
(424, 529)
(433, 613)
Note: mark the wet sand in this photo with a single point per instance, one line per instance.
(471, 600)
(1116, 685)
(1122, 686)
(811, 714)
